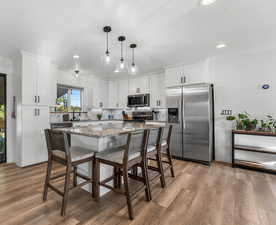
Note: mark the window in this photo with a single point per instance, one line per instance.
(69, 98)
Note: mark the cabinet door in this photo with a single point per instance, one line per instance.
(100, 93)
(113, 94)
(139, 85)
(157, 91)
(29, 80)
(33, 139)
(173, 76)
(122, 93)
(46, 84)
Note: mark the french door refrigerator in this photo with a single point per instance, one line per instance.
(190, 111)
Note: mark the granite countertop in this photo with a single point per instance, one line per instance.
(87, 121)
(110, 129)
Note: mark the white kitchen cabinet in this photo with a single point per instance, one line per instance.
(113, 94)
(122, 93)
(139, 85)
(100, 93)
(38, 81)
(174, 76)
(157, 91)
(33, 148)
(29, 80)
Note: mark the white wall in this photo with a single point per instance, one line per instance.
(7, 68)
(237, 83)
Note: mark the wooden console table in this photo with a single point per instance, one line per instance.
(250, 148)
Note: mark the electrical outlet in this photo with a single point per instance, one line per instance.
(226, 112)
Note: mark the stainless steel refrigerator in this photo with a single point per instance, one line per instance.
(190, 110)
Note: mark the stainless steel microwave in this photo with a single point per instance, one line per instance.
(141, 100)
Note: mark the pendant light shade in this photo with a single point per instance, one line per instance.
(106, 58)
(76, 59)
(122, 65)
(133, 68)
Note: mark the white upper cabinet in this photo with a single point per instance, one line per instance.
(174, 76)
(122, 93)
(29, 80)
(139, 85)
(46, 83)
(113, 94)
(193, 73)
(100, 93)
(38, 81)
(157, 91)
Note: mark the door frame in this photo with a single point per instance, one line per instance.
(5, 113)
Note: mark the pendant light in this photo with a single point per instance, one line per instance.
(122, 66)
(133, 67)
(107, 29)
(77, 65)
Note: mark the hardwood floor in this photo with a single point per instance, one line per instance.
(198, 195)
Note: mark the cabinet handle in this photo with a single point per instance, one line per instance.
(38, 112)
(38, 99)
(35, 98)
(35, 111)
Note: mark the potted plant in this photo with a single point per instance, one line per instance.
(99, 116)
(243, 121)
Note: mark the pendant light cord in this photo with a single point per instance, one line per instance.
(122, 59)
(107, 43)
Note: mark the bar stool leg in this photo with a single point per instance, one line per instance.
(160, 168)
(66, 190)
(96, 179)
(146, 181)
(47, 179)
(75, 176)
(170, 161)
(126, 185)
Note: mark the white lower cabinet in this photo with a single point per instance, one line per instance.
(33, 144)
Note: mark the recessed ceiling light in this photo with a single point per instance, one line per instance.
(221, 46)
(75, 56)
(207, 2)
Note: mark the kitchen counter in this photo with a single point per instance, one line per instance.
(109, 129)
(99, 121)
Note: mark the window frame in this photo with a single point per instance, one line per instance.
(70, 88)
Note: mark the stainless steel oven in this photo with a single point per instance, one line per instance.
(140, 100)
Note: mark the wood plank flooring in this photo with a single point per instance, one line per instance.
(198, 195)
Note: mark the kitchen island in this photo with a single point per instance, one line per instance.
(101, 136)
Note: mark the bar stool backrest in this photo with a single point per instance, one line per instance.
(167, 134)
(57, 140)
(136, 142)
(156, 136)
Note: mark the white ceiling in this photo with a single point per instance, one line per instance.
(166, 31)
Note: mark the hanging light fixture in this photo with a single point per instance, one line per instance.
(107, 29)
(77, 65)
(133, 67)
(122, 66)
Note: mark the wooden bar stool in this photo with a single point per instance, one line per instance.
(163, 141)
(155, 154)
(123, 159)
(165, 148)
(60, 151)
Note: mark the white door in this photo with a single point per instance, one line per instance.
(122, 93)
(29, 80)
(34, 121)
(174, 76)
(157, 91)
(139, 85)
(113, 94)
(46, 84)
